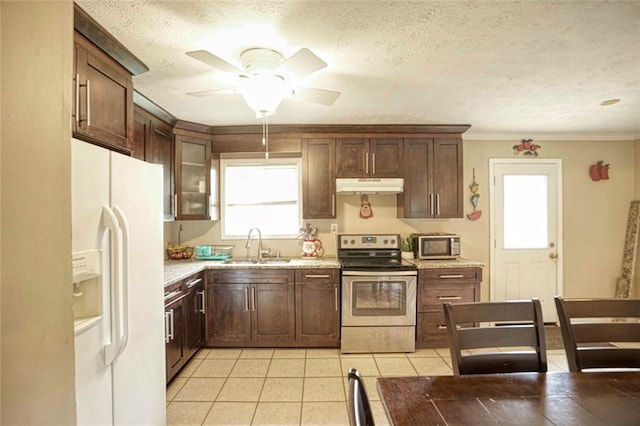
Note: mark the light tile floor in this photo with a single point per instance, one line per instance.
(292, 386)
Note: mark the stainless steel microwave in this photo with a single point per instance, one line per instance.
(436, 246)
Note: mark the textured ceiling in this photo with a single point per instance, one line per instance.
(530, 68)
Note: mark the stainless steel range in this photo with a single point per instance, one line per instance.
(378, 295)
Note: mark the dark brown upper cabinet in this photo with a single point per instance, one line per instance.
(364, 157)
(432, 179)
(193, 177)
(319, 178)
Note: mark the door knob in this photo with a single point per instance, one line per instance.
(553, 255)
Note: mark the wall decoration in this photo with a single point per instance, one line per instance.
(475, 197)
(365, 208)
(599, 171)
(526, 147)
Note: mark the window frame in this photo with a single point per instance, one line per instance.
(224, 162)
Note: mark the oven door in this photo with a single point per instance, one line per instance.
(378, 298)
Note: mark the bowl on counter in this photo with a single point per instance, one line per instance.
(179, 252)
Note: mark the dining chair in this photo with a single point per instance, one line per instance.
(496, 337)
(587, 324)
(359, 406)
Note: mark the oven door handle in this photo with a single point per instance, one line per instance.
(379, 273)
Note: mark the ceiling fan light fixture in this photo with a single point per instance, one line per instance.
(263, 92)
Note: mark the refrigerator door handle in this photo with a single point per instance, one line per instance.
(111, 350)
(124, 300)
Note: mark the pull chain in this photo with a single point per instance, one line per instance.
(265, 135)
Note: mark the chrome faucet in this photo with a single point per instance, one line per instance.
(248, 245)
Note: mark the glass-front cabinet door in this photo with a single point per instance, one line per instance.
(193, 177)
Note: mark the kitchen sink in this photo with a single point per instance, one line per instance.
(252, 261)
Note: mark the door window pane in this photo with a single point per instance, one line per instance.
(525, 212)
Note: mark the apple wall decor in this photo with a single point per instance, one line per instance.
(599, 171)
(526, 147)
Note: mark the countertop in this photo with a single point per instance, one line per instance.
(176, 270)
(459, 262)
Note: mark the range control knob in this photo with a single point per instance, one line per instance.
(386, 242)
(393, 241)
(353, 241)
(345, 242)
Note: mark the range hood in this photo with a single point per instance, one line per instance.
(370, 186)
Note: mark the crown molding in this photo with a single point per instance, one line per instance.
(543, 136)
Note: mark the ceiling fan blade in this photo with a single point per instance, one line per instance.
(214, 61)
(203, 93)
(319, 96)
(302, 63)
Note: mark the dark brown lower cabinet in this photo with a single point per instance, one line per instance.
(194, 314)
(318, 307)
(436, 287)
(250, 308)
(184, 317)
(174, 336)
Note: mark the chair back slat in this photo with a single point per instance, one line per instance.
(578, 333)
(359, 407)
(509, 311)
(602, 308)
(527, 333)
(606, 332)
(498, 337)
(609, 357)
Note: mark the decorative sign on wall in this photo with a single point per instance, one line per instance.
(599, 171)
(365, 207)
(526, 147)
(475, 197)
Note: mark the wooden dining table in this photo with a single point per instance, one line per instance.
(596, 398)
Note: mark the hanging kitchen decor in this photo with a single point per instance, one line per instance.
(526, 147)
(475, 197)
(365, 207)
(599, 171)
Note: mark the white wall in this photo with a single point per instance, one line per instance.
(37, 319)
(595, 214)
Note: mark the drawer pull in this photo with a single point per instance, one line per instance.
(194, 282)
(317, 276)
(442, 327)
(452, 276)
(449, 297)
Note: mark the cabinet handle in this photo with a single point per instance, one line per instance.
(442, 327)
(193, 282)
(246, 299)
(366, 163)
(202, 306)
(431, 204)
(445, 276)
(373, 163)
(166, 327)
(333, 205)
(253, 298)
(77, 100)
(449, 297)
(317, 276)
(174, 205)
(88, 103)
(171, 335)
(335, 292)
(437, 204)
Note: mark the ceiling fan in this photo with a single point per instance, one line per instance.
(266, 77)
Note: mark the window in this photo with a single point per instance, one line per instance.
(263, 194)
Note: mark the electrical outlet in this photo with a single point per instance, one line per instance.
(334, 228)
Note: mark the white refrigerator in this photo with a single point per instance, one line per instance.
(118, 288)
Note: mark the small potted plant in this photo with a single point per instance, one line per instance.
(407, 248)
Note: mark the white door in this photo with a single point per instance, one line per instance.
(526, 234)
